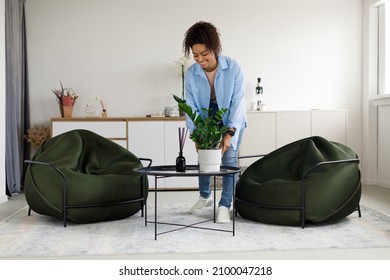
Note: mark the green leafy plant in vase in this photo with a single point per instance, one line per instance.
(208, 132)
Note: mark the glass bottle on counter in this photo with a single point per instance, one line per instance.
(259, 91)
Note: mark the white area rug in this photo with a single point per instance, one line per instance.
(36, 235)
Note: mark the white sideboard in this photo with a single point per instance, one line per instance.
(269, 130)
(114, 129)
(154, 138)
(157, 138)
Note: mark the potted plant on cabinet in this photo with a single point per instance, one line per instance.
(207, 134)
(66, 98)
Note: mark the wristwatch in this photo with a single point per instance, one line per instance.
(231, 131)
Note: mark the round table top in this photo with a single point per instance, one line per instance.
(191, 170)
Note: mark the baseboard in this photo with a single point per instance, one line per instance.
(166, 189)
(385, 184)
(382, 183)
(369, 182)
(3, 199)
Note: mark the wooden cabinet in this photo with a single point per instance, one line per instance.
(331, 125)
(259, 137)
(157, 138)
(154, 138)
(171, 140)
(291, 126)
(114, 129)
(269, 130)
(146, 139)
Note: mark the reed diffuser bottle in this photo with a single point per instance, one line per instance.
(181, 163)
(181, 160)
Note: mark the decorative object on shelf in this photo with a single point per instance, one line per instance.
(253, 106)
(207, 134)
(103, 105)
(90, 111)
(37, 135)
(259, 91)
(181, 160)
(167, 111)
(182, 62)
(66, 98)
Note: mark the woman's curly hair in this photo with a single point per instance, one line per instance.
(202, 33)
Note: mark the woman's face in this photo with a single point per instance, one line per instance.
(204, 57)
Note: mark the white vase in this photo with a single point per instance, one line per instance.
(209, 160)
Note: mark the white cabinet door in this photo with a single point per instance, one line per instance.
(268, 131)
(259, 137)
(113, 130)
(292, 126)
(172, 151)
(146, 140)
(172, 144)
(383, 145)
(331, 125)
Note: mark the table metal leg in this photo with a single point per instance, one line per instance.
(197, 224)
(145, 202)
(215, 198)
(155, 207)
(234, 205)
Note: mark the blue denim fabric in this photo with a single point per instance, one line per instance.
(230, 158)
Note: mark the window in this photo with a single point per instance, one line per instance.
(384, 48)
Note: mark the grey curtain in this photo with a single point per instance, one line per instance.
(16, 93)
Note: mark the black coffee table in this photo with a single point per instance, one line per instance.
(165, 171)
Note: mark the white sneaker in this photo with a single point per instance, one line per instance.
(223, 215)
(201, 204)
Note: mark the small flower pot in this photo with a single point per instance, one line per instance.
(66, 111)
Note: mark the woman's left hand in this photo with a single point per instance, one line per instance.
(225, 143)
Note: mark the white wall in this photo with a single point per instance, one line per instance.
(3, 197)
(308, 52)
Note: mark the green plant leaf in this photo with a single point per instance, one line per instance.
(207, 133)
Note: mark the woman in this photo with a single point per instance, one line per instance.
(215, 81)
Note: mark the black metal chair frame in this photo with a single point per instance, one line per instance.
(301, 207)
(65, 189)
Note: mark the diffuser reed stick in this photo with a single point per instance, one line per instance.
(182, 138)
(180, 160)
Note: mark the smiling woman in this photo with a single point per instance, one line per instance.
(215, 82)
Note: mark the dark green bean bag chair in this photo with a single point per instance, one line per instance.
(270, 189)
(99, 172)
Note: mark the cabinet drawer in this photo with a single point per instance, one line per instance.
(109, 129)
